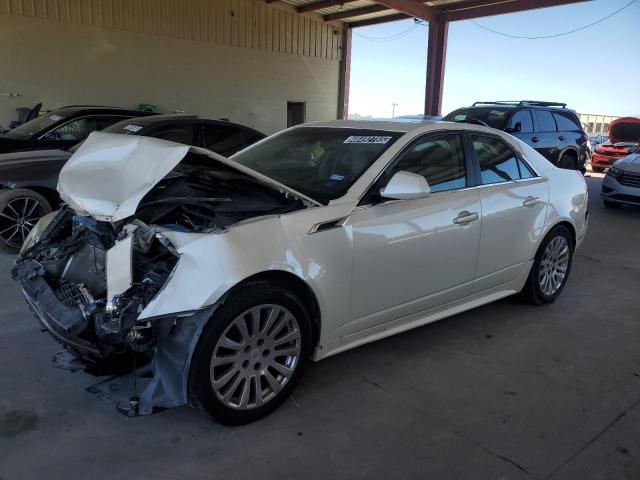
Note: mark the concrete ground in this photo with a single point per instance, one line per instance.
(506, 391)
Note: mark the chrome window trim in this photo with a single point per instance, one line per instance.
(446, 192)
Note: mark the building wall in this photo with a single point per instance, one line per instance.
(236, 59)
(597, 123)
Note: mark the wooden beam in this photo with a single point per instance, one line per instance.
(478, 8)
(377, 20)
(310, 7)
(354, 12)
(413, 8)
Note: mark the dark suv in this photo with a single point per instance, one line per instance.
(550, 128)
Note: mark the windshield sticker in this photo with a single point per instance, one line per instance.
(132, 128)
(55, 118)
(367, 139)
(337, 177)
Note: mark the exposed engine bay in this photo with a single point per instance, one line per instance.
(77, 282)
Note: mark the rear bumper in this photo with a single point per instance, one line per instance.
(604, 161)
(613, 191)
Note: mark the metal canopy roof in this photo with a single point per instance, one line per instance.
(357, 13)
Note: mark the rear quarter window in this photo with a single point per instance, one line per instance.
(565, 122)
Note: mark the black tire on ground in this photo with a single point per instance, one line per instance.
(20, 209)
(200, 390)
(532, 290)
(567, 162)
(610, 204)
(597, 169)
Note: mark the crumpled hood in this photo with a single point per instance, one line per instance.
(625, 129)
(630, 163)
(110, 173)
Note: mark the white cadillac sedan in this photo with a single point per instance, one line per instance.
(212, 281)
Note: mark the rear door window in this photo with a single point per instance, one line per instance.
(497, 161)
(545, 121)
(565, 123)
(222, 139)
(176, 133)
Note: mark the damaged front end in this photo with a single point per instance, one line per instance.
(94, 314)
(90, 270)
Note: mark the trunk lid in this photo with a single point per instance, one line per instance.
(109, 174)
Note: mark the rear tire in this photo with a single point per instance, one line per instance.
(610, 204)
(237, 375)
(551, 267)
(20, 210)
(567, 162)
(597, 169)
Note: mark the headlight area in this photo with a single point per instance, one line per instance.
(614, 172)
(65, 279)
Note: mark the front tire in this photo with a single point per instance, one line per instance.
(20, 210)
(250, 355)
(551, 267)
(597, 169)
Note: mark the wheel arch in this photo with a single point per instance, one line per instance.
(50, 194)
(291, 282)
(568, 225)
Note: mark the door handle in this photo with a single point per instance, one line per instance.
(531, 201)
(561, 138)
(534, 139)
(465, 217)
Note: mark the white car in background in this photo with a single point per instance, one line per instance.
(217, 279)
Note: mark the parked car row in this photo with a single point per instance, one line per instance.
(40, 147)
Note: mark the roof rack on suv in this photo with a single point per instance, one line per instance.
(536, 103)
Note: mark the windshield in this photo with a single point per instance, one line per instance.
(37, 125)
(495, 117)
(321, 163)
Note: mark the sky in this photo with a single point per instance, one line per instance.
(596, 70)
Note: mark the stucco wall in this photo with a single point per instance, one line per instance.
(248, 79)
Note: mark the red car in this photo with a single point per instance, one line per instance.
(624, 139)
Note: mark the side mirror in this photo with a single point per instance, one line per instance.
(406, 186)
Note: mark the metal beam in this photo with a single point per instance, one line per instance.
(377, 20)
(354, 12)
(436, 59)
(345, 75)
(310, 7)
(413, 8)
(478, 8)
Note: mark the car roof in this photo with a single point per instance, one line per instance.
(88, 109)
(368, 125)
(174, 118)
(403, 127)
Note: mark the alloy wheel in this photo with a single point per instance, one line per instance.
(255, 357)
(17, 218)
(554, 265)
